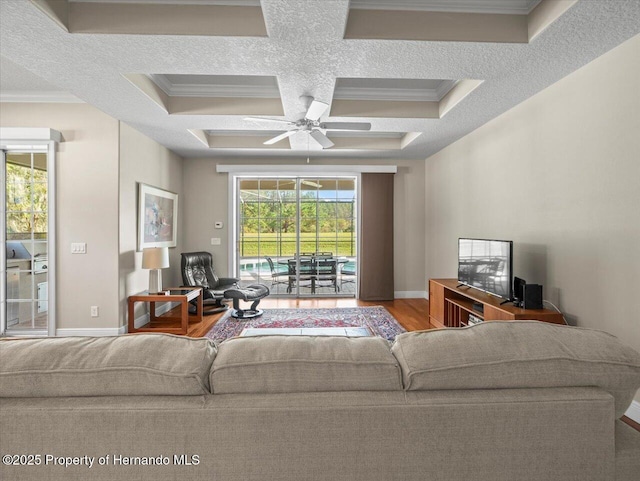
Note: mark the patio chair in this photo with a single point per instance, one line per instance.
(277, 277)
(326, 270)
(304, 277)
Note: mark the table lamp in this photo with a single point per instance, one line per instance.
(155, 258)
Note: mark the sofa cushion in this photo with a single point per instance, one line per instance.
(627, 452)
(278, 364)
(144, 364)
(518, 354)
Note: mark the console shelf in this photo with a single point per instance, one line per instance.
(450, 306)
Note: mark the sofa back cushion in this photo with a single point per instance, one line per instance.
(144, 364)
(518, 354)
(278, 364)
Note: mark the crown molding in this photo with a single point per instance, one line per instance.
(417, 95)
(257, 169)
(467, 6)
(245, 91)
(231, 3)
(28, 96)
(331, 133)
(244, 133)
(212, 90)
(162, 82)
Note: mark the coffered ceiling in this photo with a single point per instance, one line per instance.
(188, 73)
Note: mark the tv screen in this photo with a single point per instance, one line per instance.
(486, 265)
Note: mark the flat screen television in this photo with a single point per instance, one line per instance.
(486, 265)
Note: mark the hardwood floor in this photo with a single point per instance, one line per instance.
(412, 314)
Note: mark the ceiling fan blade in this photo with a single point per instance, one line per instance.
(280, 137)
(346, 126)
(264, 119)
(316, 109)
(311, 184)
(322, 139)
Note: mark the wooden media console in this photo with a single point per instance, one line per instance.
(450, 306)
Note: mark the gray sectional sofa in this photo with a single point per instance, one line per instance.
(512, 401)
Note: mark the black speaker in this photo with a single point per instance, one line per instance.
(532, 298)
(518, 290)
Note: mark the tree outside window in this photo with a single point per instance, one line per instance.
(26, 191)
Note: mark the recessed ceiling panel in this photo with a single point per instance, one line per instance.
(339, 140)
(179, 85)
(159, 17)
(429, 90)
(246, 133)
(238, 3)
(502, 21)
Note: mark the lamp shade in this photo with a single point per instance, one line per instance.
(155, 258)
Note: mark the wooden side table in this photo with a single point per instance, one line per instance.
(183, 295)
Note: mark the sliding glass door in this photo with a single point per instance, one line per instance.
(298, 235)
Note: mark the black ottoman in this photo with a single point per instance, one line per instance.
(254, 293)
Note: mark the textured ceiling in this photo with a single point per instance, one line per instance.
(15, 78)
(306, 51)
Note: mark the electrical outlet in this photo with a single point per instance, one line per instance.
(215, 241)
(94, 311)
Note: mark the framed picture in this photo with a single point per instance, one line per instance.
(157, 217)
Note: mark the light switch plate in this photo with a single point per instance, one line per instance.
(78, 247)
(218, 225)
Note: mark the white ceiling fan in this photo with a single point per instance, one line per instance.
(312, 126)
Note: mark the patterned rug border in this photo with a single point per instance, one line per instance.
(376, 318)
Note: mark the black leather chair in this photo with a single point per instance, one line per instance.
(197, 270)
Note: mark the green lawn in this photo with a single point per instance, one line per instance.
(275, 245)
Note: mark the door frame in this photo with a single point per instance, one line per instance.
(31, 140)
(275, 170)
(234, 217)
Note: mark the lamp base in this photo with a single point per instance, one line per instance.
(155, 281)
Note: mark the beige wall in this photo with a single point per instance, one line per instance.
(206, 201)
(144, 160)
(87, 208)
(559, 175)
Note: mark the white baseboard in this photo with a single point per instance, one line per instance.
(144, 318)
(410, 294)
(634, 411)
(92, 332)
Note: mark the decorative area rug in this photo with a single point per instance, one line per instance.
(376, 318)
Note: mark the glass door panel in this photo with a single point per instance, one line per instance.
(26, 242)
(297, 234)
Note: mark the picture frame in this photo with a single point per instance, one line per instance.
(157, 217)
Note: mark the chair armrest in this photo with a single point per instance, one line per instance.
(225, 281)
(206, 294)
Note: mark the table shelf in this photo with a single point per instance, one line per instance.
(162, 323)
